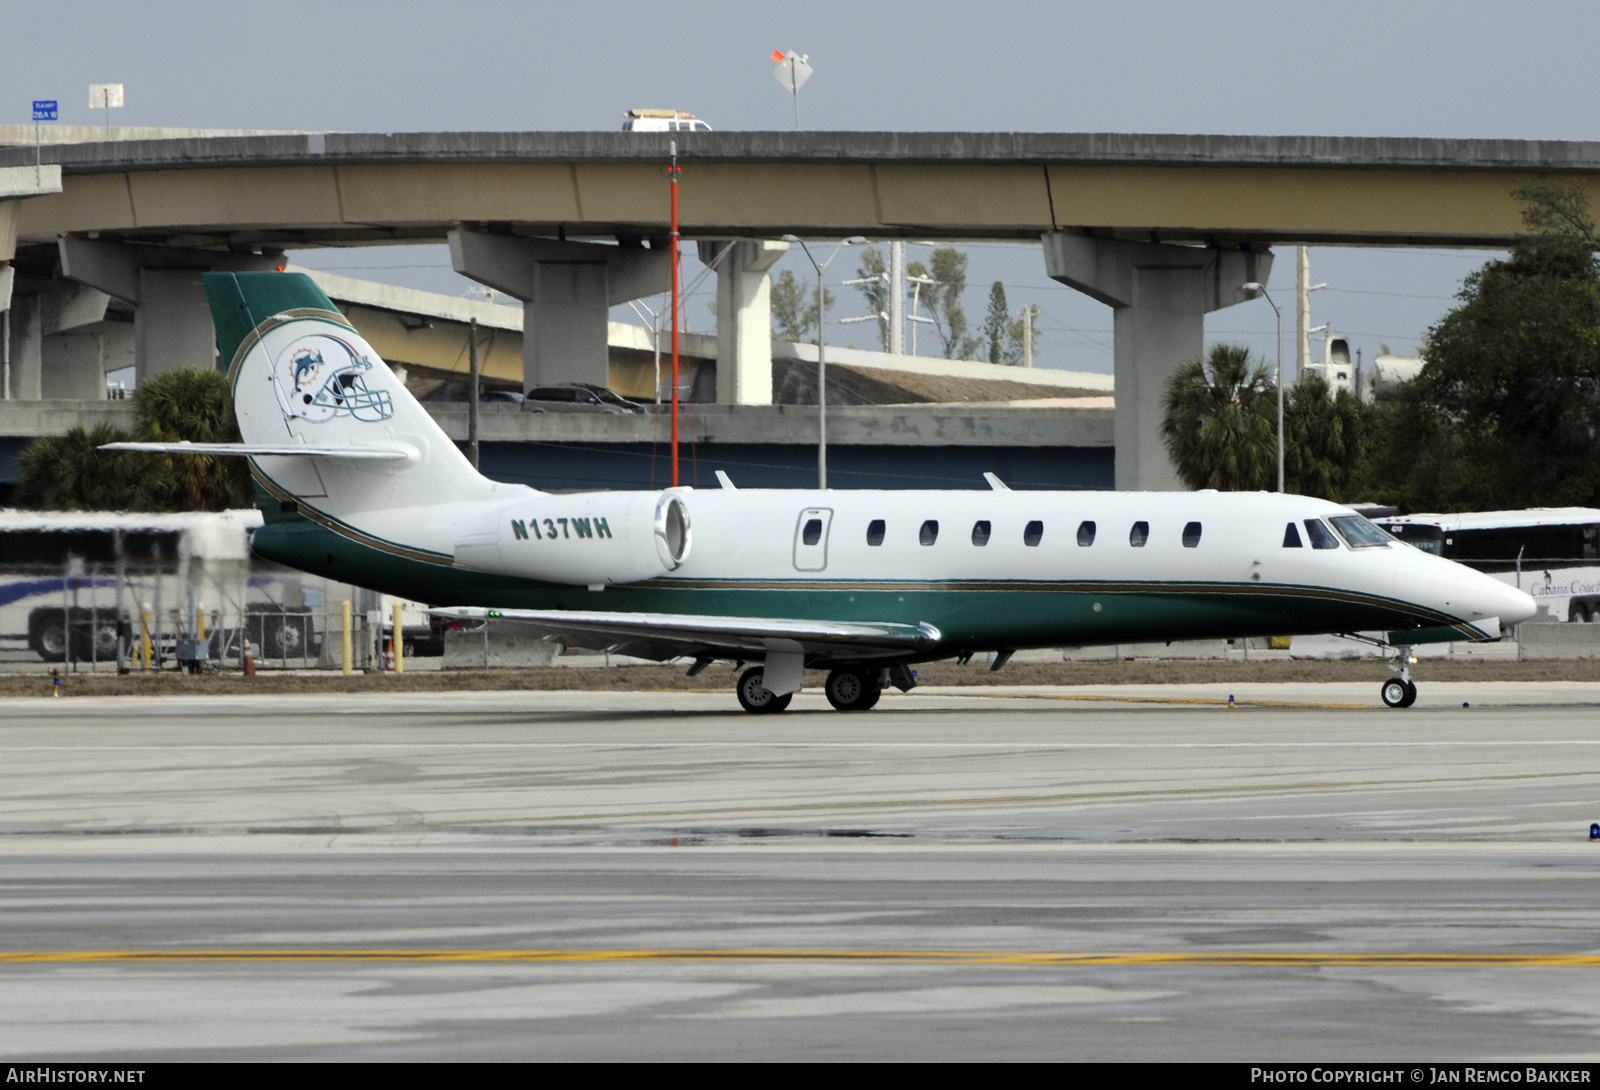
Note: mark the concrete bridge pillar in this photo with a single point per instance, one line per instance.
(744, 318)
(567, 290)
(17, 184)
(1160, 295)
(61, 345)
(172, 318)
(25, 358)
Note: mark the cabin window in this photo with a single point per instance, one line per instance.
(1033, 533)
(1139, 534)
(1358, 533)
(1321, 536)
(980, 532)
(812, 533)
(929, 532)
(1086, 534)
(1291, 537)
(875, 532)
(1191, 535)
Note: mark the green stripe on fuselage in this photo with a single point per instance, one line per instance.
(970, 616)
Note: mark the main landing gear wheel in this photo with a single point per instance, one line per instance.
(755, 697)
(852, 689)
(1399, 693)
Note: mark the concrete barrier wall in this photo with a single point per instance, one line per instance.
(498, 646)
(1572, 640)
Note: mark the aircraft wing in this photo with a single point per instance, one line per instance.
(375, 452)
(669, 635)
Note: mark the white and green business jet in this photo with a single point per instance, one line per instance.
(362, 486)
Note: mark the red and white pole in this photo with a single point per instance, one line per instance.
(672, 172)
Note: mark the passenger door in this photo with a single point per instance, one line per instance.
(811, 539)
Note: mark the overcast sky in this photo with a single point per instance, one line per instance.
(1464, 69)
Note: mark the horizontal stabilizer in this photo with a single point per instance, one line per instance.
(668, 635)
(393, 452)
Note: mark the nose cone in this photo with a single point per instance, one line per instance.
(1511, 605)
(1459, 591)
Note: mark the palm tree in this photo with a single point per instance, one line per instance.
(1218, 421)
(1326, 441)
(71, 473)
(197, 406)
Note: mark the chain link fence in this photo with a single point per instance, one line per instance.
(197, 615)
(191, 616)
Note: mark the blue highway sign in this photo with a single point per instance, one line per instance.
(44, 109)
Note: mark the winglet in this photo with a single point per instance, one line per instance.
(996, 483)
(722, 479)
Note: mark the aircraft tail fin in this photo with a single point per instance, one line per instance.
(304, 378)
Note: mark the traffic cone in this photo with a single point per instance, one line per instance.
(388, 655)
(249, 659)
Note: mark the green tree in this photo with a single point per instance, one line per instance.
(947, 267)
(1218, 421)
(1506, 410)
(70, 472)
(1327, 441)
(788, 307)
(1557, 209)
(997, 324)
(197, 406)
(1002, 332)
(794, 308)
(808, 317)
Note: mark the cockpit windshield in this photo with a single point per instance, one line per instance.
(1358, 533)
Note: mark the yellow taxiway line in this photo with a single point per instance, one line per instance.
(930, 957)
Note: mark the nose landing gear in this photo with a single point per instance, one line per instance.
(1401, 691)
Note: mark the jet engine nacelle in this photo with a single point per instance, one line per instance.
(588, 539)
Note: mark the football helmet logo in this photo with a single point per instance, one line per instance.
(320, 377)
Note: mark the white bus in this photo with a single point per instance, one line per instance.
(75, 587)
(85, 588)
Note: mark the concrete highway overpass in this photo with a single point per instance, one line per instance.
(1162, 228)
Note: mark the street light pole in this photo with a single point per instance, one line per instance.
(822, 358)
(1251, 290)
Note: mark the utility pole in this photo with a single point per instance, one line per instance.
(822, 339)
(919, 282)
(1251, 291)
(472, 392)
(897, 296)
(1028, 313)
(672, 172)
(1302, 311)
